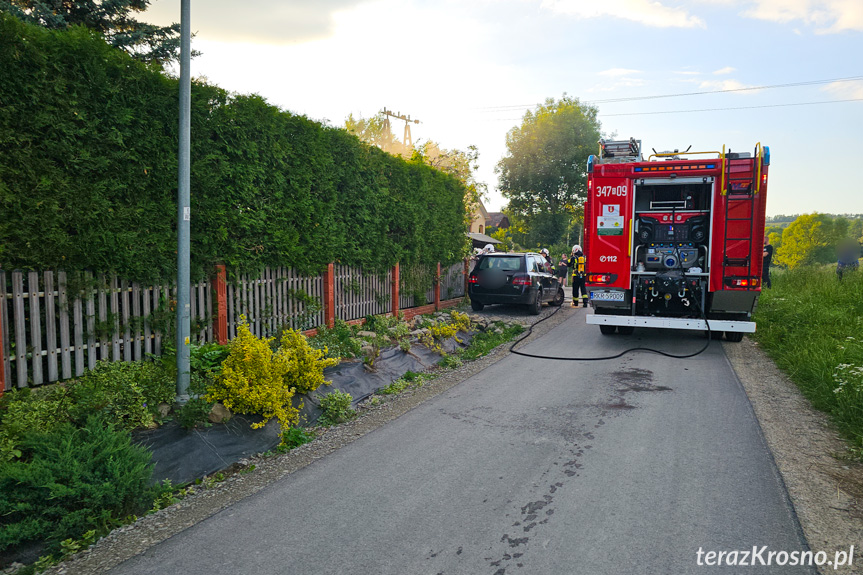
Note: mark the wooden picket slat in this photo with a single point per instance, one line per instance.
(126, 317)
(51, 326)
(148, 332)
(20, 328)
(35, 326)
(65, 348)
(136, 315)
(193, 307)
(210, 315)
(91, 328)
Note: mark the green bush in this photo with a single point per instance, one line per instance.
(338, 340)
(811, 323)
(126, 393)
(336, 407)
(294, 437)
(71, 481)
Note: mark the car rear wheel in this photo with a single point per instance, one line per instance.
(536, 307)
(607, 329)
(476, 306)
(558, 298)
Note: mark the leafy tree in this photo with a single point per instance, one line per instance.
(543, 174)
(110, 18)
(802, 240)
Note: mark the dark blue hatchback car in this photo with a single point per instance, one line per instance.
(516, 278)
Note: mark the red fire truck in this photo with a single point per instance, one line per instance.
(674, 241)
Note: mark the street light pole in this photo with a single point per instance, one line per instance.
(183, 207)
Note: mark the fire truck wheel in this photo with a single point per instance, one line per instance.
(476, 306)
(536, 307)
(715, 334)
(607, 329)
(735, 336)
(625, 329)
(558, 299)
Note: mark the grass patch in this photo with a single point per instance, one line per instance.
(811, 324)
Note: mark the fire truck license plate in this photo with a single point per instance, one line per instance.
(607, 295)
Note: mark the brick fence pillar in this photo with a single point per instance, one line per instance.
(330, 296)
(437, 288)
(220, 314)
(395, 293)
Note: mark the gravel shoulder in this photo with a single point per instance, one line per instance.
(825, 490)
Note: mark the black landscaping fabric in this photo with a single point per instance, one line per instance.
(183, 456)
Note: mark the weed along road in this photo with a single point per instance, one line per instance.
(531, 466)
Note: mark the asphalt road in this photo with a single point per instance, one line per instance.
(531, 466)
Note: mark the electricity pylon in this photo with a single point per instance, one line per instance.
(408, 142)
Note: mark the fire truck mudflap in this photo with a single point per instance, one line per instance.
(674, 241)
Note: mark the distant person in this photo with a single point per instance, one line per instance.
(577, 265)
(562, 269)
(849, 252)
(765, 268)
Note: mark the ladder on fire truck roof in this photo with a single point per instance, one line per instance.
(612, 151)
(739, 193)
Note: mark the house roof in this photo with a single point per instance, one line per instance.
(480, 240)
(496, 218)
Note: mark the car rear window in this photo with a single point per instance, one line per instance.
(503, 263)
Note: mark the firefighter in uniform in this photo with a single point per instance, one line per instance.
(577, 264)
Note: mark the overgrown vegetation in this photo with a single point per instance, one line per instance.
(88, 174)
(811, 323)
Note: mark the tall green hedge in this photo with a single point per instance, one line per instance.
(88, 174)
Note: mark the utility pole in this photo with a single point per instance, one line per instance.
(408, 142)
(184, 215)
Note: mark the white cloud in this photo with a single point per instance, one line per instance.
(726, 70)
(255, 21)
(718, 85)
(619, 72)
(647, 12)
(826, 16)
(845, 90)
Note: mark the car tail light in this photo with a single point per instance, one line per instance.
(522, 280)
(743, 282)
(600, 278)
(472, 280)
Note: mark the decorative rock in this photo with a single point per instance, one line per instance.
(366, 334)
(219, 414)
(164, 409)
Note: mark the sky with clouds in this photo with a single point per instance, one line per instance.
(672, 73)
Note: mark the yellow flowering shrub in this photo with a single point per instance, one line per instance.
(253, 380)
(305, 364)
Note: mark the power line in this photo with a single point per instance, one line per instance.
(681, 94)
(735, 108)
(706, 109)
